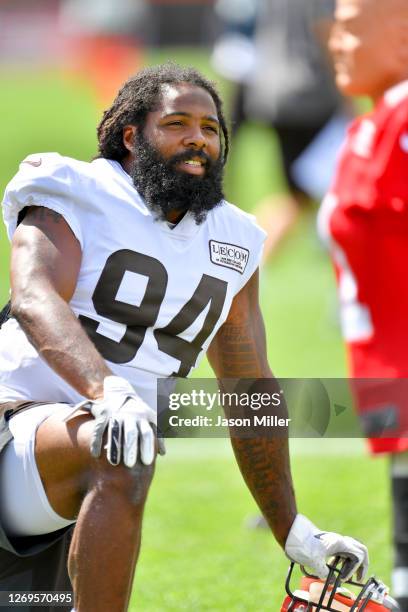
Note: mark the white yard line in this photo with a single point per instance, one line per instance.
(219, 447)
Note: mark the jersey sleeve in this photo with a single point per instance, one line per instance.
(45, 179)
(255, 242)
(372, 169)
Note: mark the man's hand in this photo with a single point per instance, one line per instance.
(310, 547)
(130, 422)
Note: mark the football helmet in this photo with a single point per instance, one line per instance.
(315, 595)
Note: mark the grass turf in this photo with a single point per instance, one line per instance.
(197, 554)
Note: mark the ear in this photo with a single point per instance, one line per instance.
(129, 135)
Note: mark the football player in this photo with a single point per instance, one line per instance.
(365, 219)
(125, 270)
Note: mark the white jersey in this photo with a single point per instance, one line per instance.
(151, 298)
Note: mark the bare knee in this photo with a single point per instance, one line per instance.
(69, 472)
(128, 484)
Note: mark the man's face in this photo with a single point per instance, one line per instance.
(177, 165)
(368, 45)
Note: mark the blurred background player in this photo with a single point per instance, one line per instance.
(365, 220)
(104, 41)
(275, 52)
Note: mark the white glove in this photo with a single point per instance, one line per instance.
(130, 422)
(310, 547)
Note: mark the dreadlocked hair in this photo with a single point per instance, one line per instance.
(139, 96)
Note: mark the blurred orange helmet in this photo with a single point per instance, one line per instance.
(315, 594)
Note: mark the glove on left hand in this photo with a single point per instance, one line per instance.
(130, 421)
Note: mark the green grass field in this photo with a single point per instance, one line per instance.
(197, 553)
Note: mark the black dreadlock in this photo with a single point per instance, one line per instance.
(139, 96)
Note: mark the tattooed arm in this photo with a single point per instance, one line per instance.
(45, 262)
(239, 351)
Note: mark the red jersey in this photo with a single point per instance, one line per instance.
(364, 217)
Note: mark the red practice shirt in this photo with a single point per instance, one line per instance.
(364, 217)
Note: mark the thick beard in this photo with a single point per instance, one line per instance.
(165, 189)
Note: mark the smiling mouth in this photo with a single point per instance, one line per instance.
(192, 166)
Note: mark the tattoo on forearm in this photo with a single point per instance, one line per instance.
(265, 467)
(238, 353)
(241, 343)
